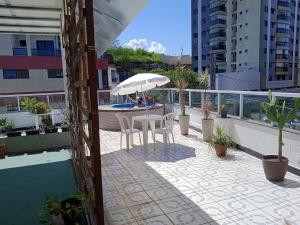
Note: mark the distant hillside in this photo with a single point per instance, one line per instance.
(123, 56)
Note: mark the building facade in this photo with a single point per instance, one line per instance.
(244, 35)
(33, 64)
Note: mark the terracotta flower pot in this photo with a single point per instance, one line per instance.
(207, 129)
(274, 169)
(221, 150)
(184, 123)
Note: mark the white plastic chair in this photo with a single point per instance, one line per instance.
(127, 129)
(166, 127)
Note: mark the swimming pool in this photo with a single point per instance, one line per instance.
(123, 106)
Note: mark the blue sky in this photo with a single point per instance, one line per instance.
(166, 22)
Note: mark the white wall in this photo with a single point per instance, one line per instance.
(280, 84)
(245, 81)
(258, 137)
(38, 82)
(25, 119)
(6, 44)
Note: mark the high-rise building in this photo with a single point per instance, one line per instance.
(242, 35)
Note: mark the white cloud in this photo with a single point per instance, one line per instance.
(144, 44)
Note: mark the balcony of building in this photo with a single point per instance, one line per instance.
(46, 52)
(20, 51)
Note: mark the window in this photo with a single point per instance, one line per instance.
(45, 45)
(15, 74)
(22, 43)
(55, 74)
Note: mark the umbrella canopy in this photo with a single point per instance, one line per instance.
(139, 83)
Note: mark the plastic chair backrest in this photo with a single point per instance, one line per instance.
(169, 121)
(123, 121)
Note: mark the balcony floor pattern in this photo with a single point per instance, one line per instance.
(187, 184)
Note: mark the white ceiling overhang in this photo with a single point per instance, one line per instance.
(44, 17)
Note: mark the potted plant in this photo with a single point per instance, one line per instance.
(67, 211)
(275, 166)
(184, 119)
(38, 107)
(207, 122)
(65, 127)
(224, 110)
(220, 142)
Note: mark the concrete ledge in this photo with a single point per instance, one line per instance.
(36, 143)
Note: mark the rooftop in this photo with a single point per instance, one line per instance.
(188, 184)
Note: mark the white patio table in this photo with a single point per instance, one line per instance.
(145, 120)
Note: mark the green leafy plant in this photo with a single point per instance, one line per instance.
(64, 208)
(6, 125)
(224, 106)
(280, 115)
(181, 84)
(3, 123)
(220, 138)
(29, 104)
(38, 107)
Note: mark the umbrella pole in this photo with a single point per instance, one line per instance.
(145, 103)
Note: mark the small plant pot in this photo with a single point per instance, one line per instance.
(14, 134)
(52, 130)
(274, 169)
(184, 123)
(221, 150)
(2, 150)
(66, 129)
(207, 129)
(32, 132)
(224, 113)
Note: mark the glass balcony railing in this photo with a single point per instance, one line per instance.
(283, 17)
(282, 30)
(40, 52)
(282, 43)
(240, 104)
(284, 4)
(217, 21)
(20, 51)
(218, 34)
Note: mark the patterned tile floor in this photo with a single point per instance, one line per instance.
(187, 184)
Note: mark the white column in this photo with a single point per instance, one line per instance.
(295, 37)
(268, 41)
(219, 103)
(241, 106)
(199, 36)
(28, 45)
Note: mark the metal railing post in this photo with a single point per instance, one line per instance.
(219, 103)
(172, 97)
(190, 99)
(202, 99)
(241, 114)
(18, 101)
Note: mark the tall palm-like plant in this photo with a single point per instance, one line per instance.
(181, 84)
(278, 114)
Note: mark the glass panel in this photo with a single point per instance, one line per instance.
(104, 98)
(39, 98)
(8, 104)
(196, 99)
(252, 107)
(57, 101)
(213, 99)
(232, 103)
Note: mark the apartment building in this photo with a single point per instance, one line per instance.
(33, 64)
(238, 36)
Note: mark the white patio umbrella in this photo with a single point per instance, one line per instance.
(139, 83)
